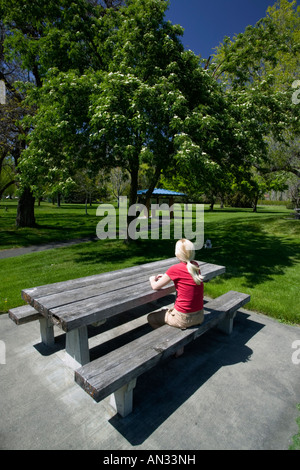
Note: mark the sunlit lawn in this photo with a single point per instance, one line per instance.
(53, 224)
(260, 251)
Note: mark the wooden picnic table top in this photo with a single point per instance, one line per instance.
(80, 302)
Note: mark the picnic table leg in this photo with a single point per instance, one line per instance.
(47, 331)
(226, 325)
(77, 347)
(122, 399)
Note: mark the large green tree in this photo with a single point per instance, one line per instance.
(115, 88)
(157, 105)
(149, 102)
(141, 101)
(39, 36)
(258, 69)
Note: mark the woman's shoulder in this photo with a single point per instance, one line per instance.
(176, 268)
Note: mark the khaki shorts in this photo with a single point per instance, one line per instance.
(174, 318)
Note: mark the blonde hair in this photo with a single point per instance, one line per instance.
(185, 251)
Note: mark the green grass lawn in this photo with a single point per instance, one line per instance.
(260, 251)
(53, 224)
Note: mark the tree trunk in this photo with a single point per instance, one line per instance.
(134, 173)
(25, 211)
(255, 202)
(152, 187)
(7, 185)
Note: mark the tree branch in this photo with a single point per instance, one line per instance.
(274, 169)
(6, 186)
(11, 88)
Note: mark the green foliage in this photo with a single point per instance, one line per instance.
(296, 438)
(47, 34)
(114, 87)
(59, 144)
(268, 50)
(134, 106)
(258, 68)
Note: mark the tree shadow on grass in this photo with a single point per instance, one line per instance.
(248, 251)
(117, 252)
(244, 248)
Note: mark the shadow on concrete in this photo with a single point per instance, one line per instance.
(162, 390)
(119, 339)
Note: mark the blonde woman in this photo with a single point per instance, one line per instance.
(188, 307)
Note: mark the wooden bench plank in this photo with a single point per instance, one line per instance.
(49, 302)
(59, 287)
(210, 271)
(110, 373)
(82, 306)
(98, 308)
(23, 314)
(26, 314)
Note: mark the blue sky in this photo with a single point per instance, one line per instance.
(206, 22)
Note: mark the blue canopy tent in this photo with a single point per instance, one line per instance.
(162, 193)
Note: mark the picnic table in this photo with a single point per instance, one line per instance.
(75, 304)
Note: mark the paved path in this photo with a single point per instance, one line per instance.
(13, 252)
(237, 392)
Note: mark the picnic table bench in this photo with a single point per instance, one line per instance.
(75, 304)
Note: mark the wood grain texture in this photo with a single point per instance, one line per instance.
(107, 374)
(23, 314)
(29, 295)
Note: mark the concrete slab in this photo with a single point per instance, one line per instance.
(224, 393)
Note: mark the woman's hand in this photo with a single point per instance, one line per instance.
(159, 281)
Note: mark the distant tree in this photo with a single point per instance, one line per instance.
(12, 133)
(119, 181)
(257, 69)
(35, 37)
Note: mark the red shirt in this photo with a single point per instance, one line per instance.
(189, 294)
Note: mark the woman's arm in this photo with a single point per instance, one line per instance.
(159, 281)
